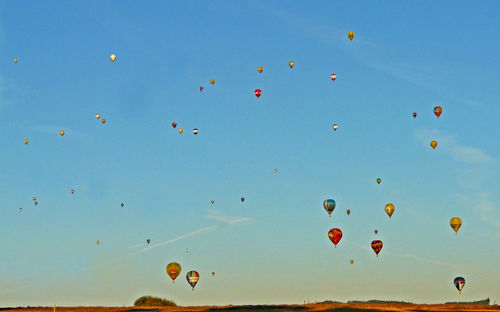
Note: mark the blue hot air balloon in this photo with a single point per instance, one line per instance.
(192, 278)
(329, 205)
(459, 284)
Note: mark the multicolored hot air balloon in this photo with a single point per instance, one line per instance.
(33, 198)
(173, 270)
(335, 127)
(291, 63)
(72, 191)
(350, 35)
(213, 201)
(434, 144)
(195, 131)
(260, 69)
(455, 224)
(192, 278)
(379, 180)
(201, 89)
(112, 57)
(377, 246)
(335, 235)
(20, 209)
(333, 76)
(414, 115)
(97, 116)
(275, 170)
(438, 110)
(174, 124)
(459, 283)
(257, 93)
(329, 205)
(187, 250)
(148, 241)
(389, 209)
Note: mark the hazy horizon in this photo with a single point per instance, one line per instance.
(272, 248)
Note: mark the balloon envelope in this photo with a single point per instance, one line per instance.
(61, 132)
(329, 205)
(414, 115)
(173, 270)
(379, 180)
(335, 127)
(377, 246)
(335, 235)
(434, 144)
(192, 278)
(212, 81)
(291, 64)
(333, 76)
(260, 69)
(257, 92)
(455, 224)
(438, 110)
(389, 209)
(459, 283)
(350, 35)
(348, 211)
(112, 57)
(174, 124)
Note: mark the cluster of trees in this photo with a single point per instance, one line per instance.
(485, 301)
(150, 301)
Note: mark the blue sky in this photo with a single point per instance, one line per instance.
(406, 57)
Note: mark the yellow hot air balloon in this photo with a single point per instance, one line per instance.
(61, 132)
(379, 180)
(25, 141)
(389, 209)
(260, 69)
(275, 170)
(15, 60)
(98, 242)
(212, 81)
(112, 57)
(455, 224)
(103, 121)
(291, 64)
(352, 261)
(434, 144)
(350, 35)
(173, 270)
(180, 130)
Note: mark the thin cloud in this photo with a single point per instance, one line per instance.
(206, 229)
(136, 246)
(450, 144)
(226, 219)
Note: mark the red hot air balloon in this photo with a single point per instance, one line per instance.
(376, 232)
(377, 246)
(333, 76)
(414, 115)
(438, 110)
(201, 89)
(335, 235)
(174, 124)
(257, 92)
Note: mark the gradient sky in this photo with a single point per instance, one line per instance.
(406, 57)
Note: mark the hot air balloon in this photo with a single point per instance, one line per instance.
(122, 204)
(180, 130)
(459, 283)
(335, 235)
(103, 121)
(61, 132)
(377, 246)
(173, 270)
(414, 115)
(389, 209)
(455, 224)
(333, 76)
(257, 92)
(348, 211)
(97, 116)
(201, 89)
(212, 82)
(72, 191)
(148, 241)
(350, 35)
(260, 69)
(15, 60)
(213, 273)
(438, 110)
(376, 232)
(275, 170)
(242, 199)
(20, 209)
(329, 205)
(192, 278)
(351, 261)
(98, 242)
(25, 141)
(379, 180)
(34, 198)
(213, 201)
(335, 127)
(187, 250)
(434, 144)
(36, 203)
(291, 64)
(112, 57)
(174, 124)
(195, 131)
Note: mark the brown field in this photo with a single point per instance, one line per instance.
(360, 307)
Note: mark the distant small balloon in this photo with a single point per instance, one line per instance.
(112, 57)
(434, 144)
(376, 232)
(34, 198)
(187, 250)
(122, 204)
(438, 110)
(352, 261)
(195, 131)
(291, 64)
(275, 170)
(36, 203)
(335, 127)
(15, 60)
(25, 141)
(98, 242)
(61, 132)
(379, 180)
(260, 69)
(414, 115)
(212, 82)
(333, 76)
(242, 199)
(213, 273)
(201, 89)
(20, 209)
(180, 130)
(212, 201)
(103, 121)
(348, 211)
(350, 35)
(257, 93)
(97, 116)
(72, 191)
(148, 240)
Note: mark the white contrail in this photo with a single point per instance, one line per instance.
(210, 228)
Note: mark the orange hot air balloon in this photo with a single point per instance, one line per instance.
(333, 76)
(438, 110)
(260, 69)
(348, 211)
(212, 81)
(103, 121)
(98, 242)
(291, 63)
(25, 141)
(72, 191)
(434, 144)
(257, 92)
(335, 235)
(377, 246)
(61, 132)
